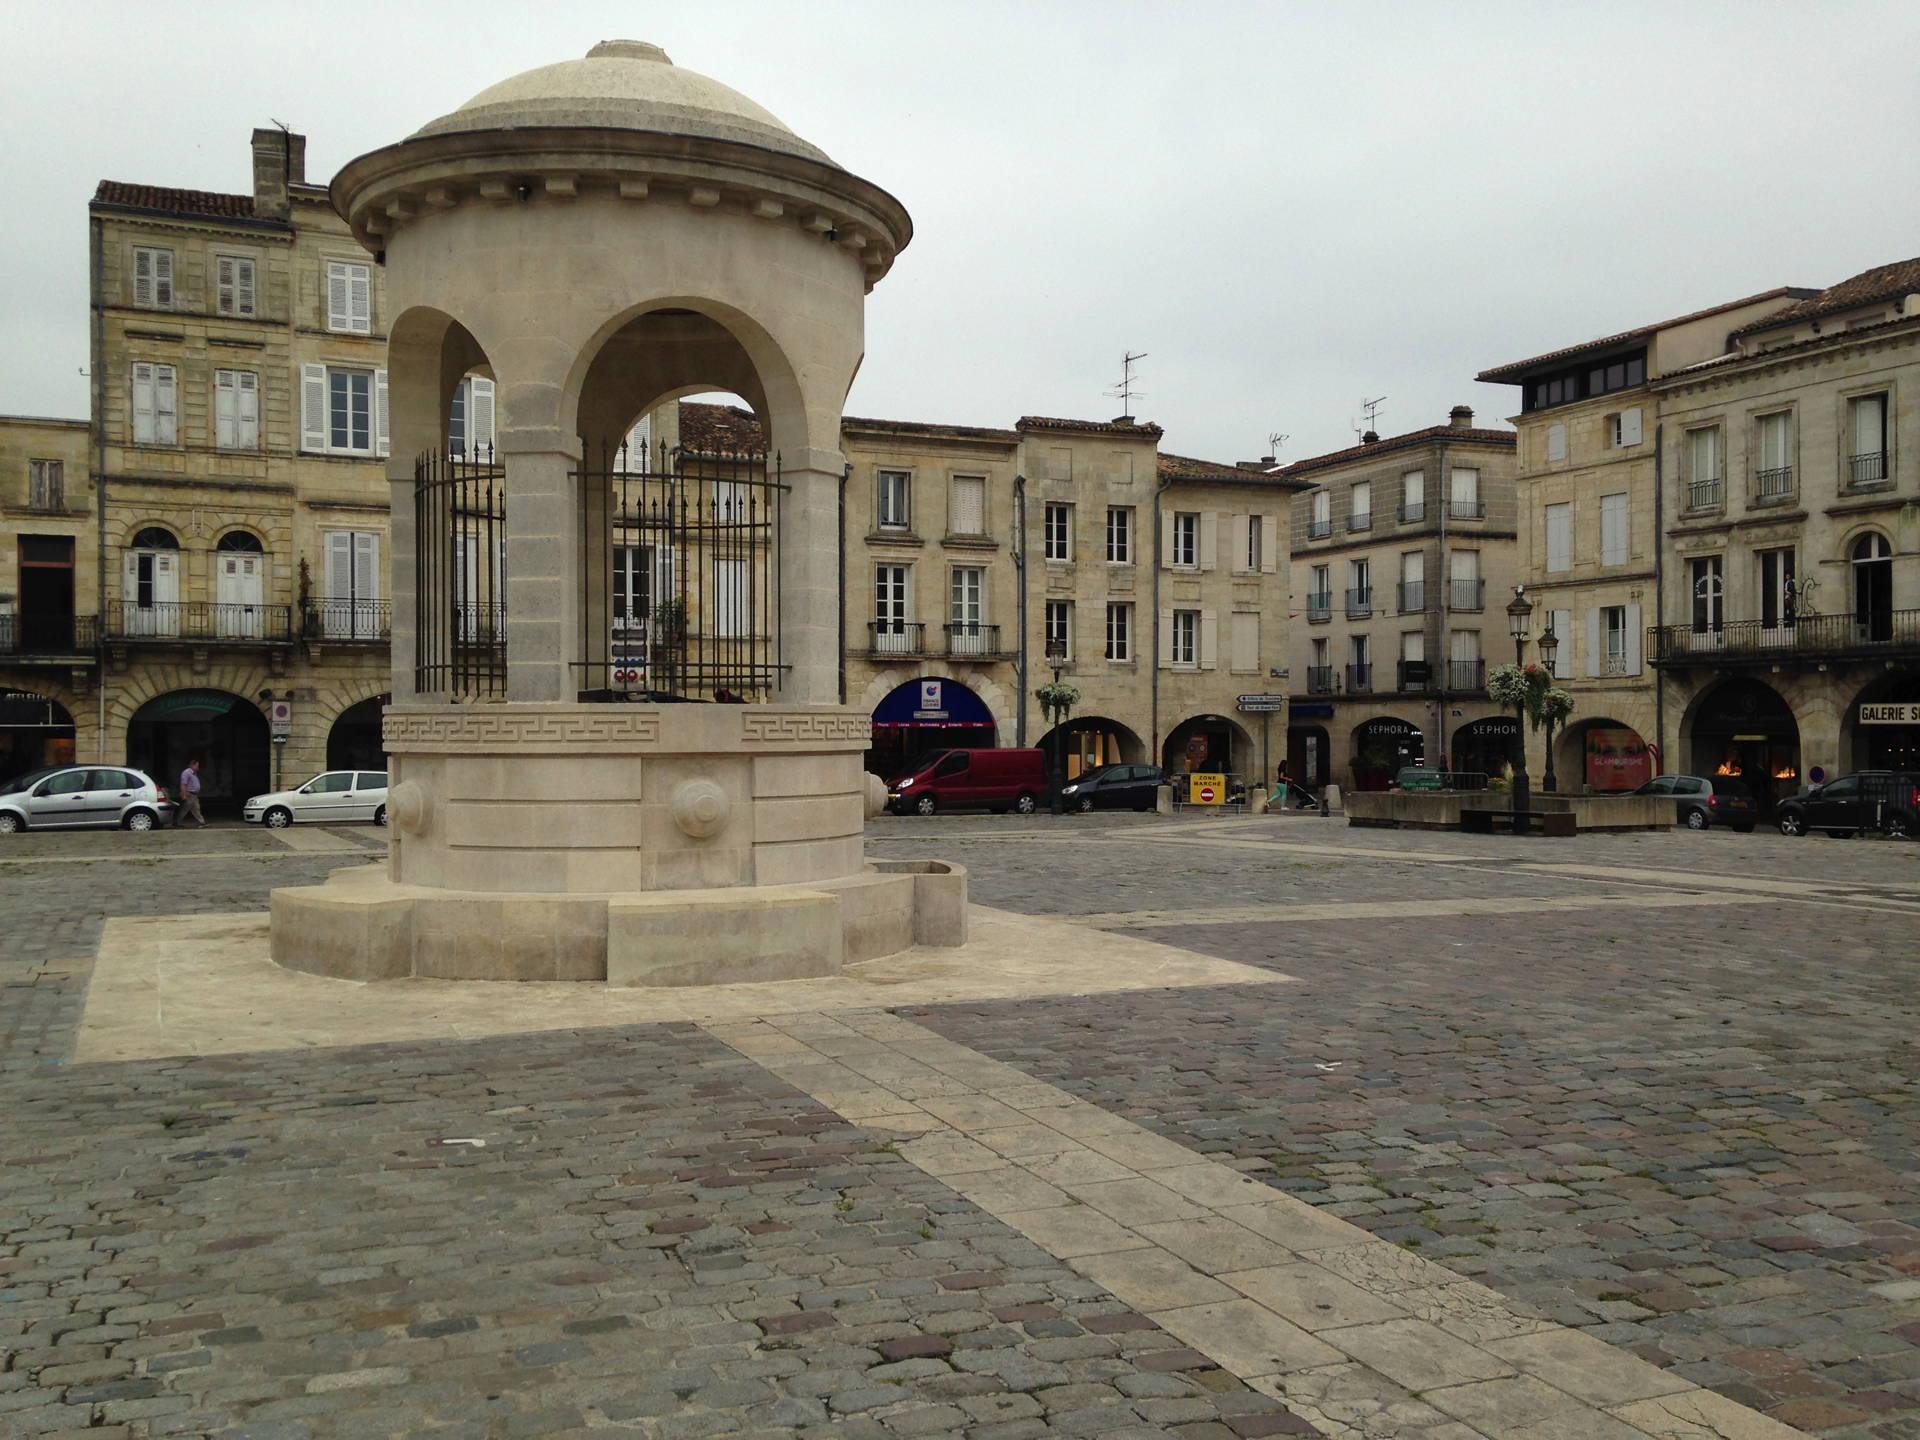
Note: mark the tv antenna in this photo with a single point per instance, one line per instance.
(1275, 440)
(1124, 391)
(1372, 422)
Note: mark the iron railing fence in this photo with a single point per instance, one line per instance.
(897, 637)
(348, 621)
(1868, 469)
(1775, 483)
(972, 639)
(1703, 494)
(61, 635)
(460, 575)
(165, 621)
(1812, 636)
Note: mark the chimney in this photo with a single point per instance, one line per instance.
(1461, 417)
(1122, 420)
(279, 161)
(1372, 437)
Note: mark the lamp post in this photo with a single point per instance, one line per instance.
(1549, 648)
(1519, 612)
(1057, 709)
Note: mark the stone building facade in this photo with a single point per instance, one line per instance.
(1403, 558)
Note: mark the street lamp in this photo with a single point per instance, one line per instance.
(1519, 612)
(1057, 708)
(1549, 648)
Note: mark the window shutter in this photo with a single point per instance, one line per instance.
(1166, 640)
(380, 412)
(165, 405)
(1209, 539)
(1563, 632)
(480, 420)
(1593, 642)
(1556, 442)
(1166, 540)
(360, 290)
(366, 565)
(1868, 424)
(223, 284)
(1633, 639)
(968, 506)
(1209, 639)
(163, 278)
(142, 401)
(1246, 640)
(313, 409)
(338, 306)
(247, 416)
(1466, 564)
(243, 288)
(1630, 431)
(1465, 484)
(225, 409)
(143, 277)
(1242, 543)
(1269, 548)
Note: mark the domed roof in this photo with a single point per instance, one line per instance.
(625, 85)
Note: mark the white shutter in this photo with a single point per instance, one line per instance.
(480, 421)
(1166, 539)
(1270, 541)
(339, 307)
(226, 409)
(1633, 639)
(1209, 539)
(165, 405)
(366, 565)
(1246, 640)
(163, 278)
(1242, 544)
(1613, 529)
(142, 401)
(313, 409)
(1466, 565)
(1166, 640)
(1466, 486)
(1209, 639)
(1630, 430)
(166, 578)
(339, 565)
(247, 415)
(1413, 490)
(243, 287)
(143, 277)
(1869, 424)
(1556, 442)
(1413, 567)
(967, 505)
(129, 582)
(1560, 536)
(380, 412)
(1593, 642)
(1563, 632)
(360, 295)
(224, 285)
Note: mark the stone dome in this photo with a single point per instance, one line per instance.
(624, 85)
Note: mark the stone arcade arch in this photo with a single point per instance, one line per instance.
(226, 732)
(1743, 731)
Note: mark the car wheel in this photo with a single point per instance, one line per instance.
(380, 816)
(11, 824)
(1085, 807)
(278, 818)
(1024, 805)
(141, 820)
(925, 805)
(1792, 823)
(1697, 819)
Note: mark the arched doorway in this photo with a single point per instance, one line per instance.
(1485, 746)
(227, 733)
(1090, 741)
(1872, 562)
(1307, 755)
(355, 742)
(1881, 728)
(150, 584)
(925, 715)
(35, 732)
(1381, 747)
(1744, 732)
(1603, 756)
(240, 586)
(1208, 743)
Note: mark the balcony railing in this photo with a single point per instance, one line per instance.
(971, 639)
(1467, 509)
(1774, 484)
(897, 637)
(31, 636)
(1319, 679)
(1360, 603)
(1613, 664)
(1319, 529)
(1878, 633)
(1413, 596)
(200, 620)
(367, 622)
(1703, 494)
(1319, 607)
(1412, 512)
(1359, 679)
(1466, 676)
(1868, 469)
(1466, 594)
(1362, 520)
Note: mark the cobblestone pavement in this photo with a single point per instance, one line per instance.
(628, 1231)
(1689, 1130)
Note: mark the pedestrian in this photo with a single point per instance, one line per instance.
(190, 795)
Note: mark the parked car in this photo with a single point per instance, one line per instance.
(71, 796)
(1115, 787)
(329, 799)
(1887, 800)
(1701, 803)
(994, 780)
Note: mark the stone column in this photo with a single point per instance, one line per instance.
(543, 580)
(809, 599)
(402, 580)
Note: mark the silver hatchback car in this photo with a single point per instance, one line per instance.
(71, 796)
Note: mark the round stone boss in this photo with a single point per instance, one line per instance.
(700, 808)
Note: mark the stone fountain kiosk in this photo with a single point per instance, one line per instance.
(600, 237)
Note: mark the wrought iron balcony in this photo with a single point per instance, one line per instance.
(1466, 676)
(1776, 484)
(1319, 529)
(1413, 596)
(200, 622)
(968, 639)
(1320, 679)
(1466, 594)
(363, 622)
(897, 637)
(1704, 494)
(47, 637)
(1359, 679)
(1415, 676)
(1467, 509)
(1319, 607)
(1412, 512)
(1360, 603)
(1811, 637)
(1868, 469)
(1362, 520)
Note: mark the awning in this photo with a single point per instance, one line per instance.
(931, 703)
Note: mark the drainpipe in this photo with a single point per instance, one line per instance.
(1443, 578)
(1020, 575)
(98, 347)
(846, 470)
(1659, 599)
(1153, 651)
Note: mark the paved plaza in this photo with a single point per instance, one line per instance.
(1228, 1128)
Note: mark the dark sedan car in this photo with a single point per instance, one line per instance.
(1885, 800)
(1115, 787)
(1701, 803)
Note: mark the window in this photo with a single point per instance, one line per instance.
(1119, 535)
(343, 411)
(967, 595)
(1321, 525)
(1413, 497)
(46, 485)
(236, 409)
(1319, 668)
(892, 631)
(1320, 593)
(349, 297)
(1059, 644)
(1464, 572)
(895, 492)
(1246, 641)
(1773, 456)
(1778, 598)
(1613, 641)
(351, 583)
(1360, 666)
(1704, 585)
(1413, 576)
(155, 404)
(1119, 631)
(470, 422)
(1465, 670)
(1361, 514)
(1613, 529)
(1059, 531)
(731, 600)
(233, 288)
(967, 505)
(1464, 494)
(1624, 372)
(1359, 587)
(1186, 637)
(1413, 660)
(1867, 432)
(1614, 620)
(1186, 540)
(1703, 468)
(1252, 544)
(1556, 442)
(1625, 428)
(1560, 536)
(152, 278)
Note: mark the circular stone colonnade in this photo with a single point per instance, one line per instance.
(598, 237)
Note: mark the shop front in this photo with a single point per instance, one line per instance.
(1308, 742)
(921, 716)
(1744, 733)
(1886, 726)
(227, 734)
(1091, 742)
(35, 732)
(1382, 748)
(1485, 747)
(1207, 744)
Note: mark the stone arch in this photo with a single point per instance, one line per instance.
(1240, 756)
(1628, 763)
(995, 696)
(1094, 740)
(41, 727)
(1742, 728)
(429, 353)
(240, 537)
(1885, 744)
(221, 726)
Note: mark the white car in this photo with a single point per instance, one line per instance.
(328, 799)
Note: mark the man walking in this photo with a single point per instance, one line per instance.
(190, 795)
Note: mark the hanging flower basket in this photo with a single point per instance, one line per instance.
(1057, 697)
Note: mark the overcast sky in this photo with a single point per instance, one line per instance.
(1288, 207)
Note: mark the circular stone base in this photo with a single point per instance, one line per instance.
(361, 925)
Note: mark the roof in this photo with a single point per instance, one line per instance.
(1185, 467)
(1883, 282)
(1761, 356)
(931, 429)
(1090, 427)
(171, 200)
(1518, 369)
(65, 422)
(719, 429)
(1451, 433)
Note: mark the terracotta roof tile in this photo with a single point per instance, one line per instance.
(171, 200)
(1091, 427)
(1883, 282)
(917, 427)
(1412, 438)
(1512, 373)
(1185, 467)
(719, 429)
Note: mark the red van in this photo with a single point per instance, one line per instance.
(994, 780)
